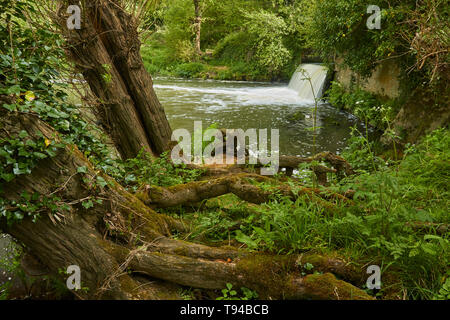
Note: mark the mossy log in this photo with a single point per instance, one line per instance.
(117, 241)
(241, 185)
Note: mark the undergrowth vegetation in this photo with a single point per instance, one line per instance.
(393, 221)
(398, 217)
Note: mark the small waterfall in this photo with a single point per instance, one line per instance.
(318, 75)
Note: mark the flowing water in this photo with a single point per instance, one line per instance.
(245, 105)
(307, 76)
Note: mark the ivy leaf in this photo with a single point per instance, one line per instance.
(39, 155)
(50, 153)
(10, 107)
(82, 169)
(65, 125)
(87, 204)
(8, 177)
(101, 182)
(15, 89)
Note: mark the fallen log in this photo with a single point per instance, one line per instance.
(241, 185)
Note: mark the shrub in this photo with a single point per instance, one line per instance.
(190, 70)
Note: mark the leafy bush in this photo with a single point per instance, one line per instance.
(190, 70)
(410, 29)
(359, 153)
(365, 105)
(146, 169)
(235, 47)
(179, 30)
(268, 30)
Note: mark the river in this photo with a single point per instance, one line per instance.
(245, 105)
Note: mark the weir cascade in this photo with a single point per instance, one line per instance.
(317, 74)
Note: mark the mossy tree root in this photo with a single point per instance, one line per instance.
(122, 234)
(274, 277)
(242, 185)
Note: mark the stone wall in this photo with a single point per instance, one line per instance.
(384, 80)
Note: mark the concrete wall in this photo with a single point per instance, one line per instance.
(384, 80)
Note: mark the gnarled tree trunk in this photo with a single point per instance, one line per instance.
(106, 51)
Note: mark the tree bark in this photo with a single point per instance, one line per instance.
(198, 26)
(106, 51)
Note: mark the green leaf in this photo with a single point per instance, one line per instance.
(82, 169)
(87, 204)
(15, 89)
(101, 182)
(8, 177)
(23, 134)
(39, 155)
(10, 107)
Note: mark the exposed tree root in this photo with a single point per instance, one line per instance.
(241, 185)
(275, 277)
(121, 234)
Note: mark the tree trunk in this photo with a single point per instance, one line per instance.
(198, 26)
(106, 52)
(121, 237)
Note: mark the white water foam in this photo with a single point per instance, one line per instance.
(317, 75)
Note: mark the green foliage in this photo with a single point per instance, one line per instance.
(190, 70)
(359, 153)
(365, 105)
(410, 30)
(146, 169)
(264, 41)
(339, 27)
(268, 30)
(178, 20)
(377, 228)
(31, 206)
(20, 155)
(30, 64)
(233, 46)
(444, 292)
(230, 294)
